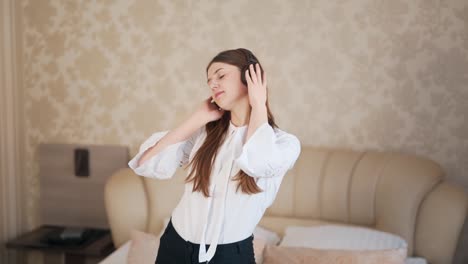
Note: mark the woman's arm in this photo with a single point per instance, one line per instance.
(205, 113)
(258, 116)
(257, 98)
(269, 153)
(180, 133)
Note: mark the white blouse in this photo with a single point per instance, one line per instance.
(226, 216)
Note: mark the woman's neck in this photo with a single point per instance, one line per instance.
(240, 113)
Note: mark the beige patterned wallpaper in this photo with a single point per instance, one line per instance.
(365, 74)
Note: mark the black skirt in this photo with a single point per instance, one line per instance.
(173, 249)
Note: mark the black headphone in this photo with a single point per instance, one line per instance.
(250, 60)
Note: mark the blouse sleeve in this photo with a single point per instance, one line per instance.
(267, 154)
(164, 164)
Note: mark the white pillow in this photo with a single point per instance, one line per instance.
(415, 261)
(262, 238)
(344, 237)
(144, 246)
(269, 236)
(340, 237)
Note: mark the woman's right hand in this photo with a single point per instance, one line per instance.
(209, 111)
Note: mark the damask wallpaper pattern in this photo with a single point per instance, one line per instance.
(364, 74)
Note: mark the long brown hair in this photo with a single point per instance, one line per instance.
(216, 131)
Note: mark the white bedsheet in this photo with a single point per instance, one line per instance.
(119, 256)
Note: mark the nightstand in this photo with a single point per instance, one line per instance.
(91, 251)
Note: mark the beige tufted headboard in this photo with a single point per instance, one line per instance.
(392, 192)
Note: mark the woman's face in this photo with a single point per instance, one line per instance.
(225, 84)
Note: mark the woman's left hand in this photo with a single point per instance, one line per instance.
(256, 86)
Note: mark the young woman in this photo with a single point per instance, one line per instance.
(237, 157)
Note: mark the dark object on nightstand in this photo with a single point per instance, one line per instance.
(72, 236)
(69, 245)
(60, 237)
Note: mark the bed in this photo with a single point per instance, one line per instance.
(395, 193)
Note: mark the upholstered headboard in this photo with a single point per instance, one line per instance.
(397, 193)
